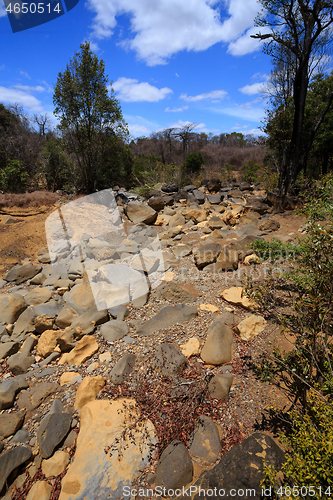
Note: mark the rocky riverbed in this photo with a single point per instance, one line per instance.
(127, 345)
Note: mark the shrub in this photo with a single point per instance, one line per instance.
(250, 171)
(193, 164)
(13, 177)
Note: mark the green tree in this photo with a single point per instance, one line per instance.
(90, 116)
(302, 28)
(58, 168)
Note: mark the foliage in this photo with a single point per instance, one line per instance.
(309, 454)
(193, 164)
(274, 249)
(250, 171)
(91, 121)
(300, 29)
(13, 177)
(58, 168)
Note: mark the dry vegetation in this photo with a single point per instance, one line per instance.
(25, 200)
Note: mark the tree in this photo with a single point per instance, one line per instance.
(302, 27)
(185, 134)
(90, 116)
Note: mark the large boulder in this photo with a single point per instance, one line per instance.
(102, 468)
(240, 469)
(168, 316)
(11, 460)
(207, 254)
(139, 213)
(11, 306)
(19, 274)
(174, 469)
(168, 361)
(218, 346)
(169, 187)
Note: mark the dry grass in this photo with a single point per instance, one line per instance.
(35, 199)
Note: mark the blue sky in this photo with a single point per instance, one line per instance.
(171, 61)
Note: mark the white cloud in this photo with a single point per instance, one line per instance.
(176, 110)
(14, 96)
(245, 44)
(130, 90)
(161, 29)
(24, 73)
(27, 88)
(139, 130)
(245, 111)
(255, 88)
(213, 95)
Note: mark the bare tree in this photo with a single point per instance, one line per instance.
(43, 122)
(303, 28)
(185, 134)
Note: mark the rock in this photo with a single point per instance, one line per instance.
(8, 219)
(52, 430)
(173, 293)
(57, 406)
(66, 316)
(199, 196)
(215, 199)
(181, 250)
(235, 296)
(177, 220)
(169, 187)
(20, 362)
(56, 464)
(10, 423)
(250, 327)
(38, 296)
(240, 469)
(256, 206)
(220, 385)
(87, 322)
(101, 469)
(206, 254)
(105, 357)
(270, 225)
(47, 342)
(251, 259)
(19, 274)
(119, 312)
(88, 390)
(83, 350)
(34, 396)
(210, 308)
(218, 346)
(205, 440)
(21, 436)
(167, 316)
(11, 306)
(70, 378)
(214, 185)
(227, 260)
(139, 213)
(114, 330)
(216, 223)
(8, 390)
(122, 368)
(156, 203)
(191, 348)
(11, 460)
(81, 295)
(8, 348)
(195, 214)
(174, 469)
(40, 491)
(168, 361)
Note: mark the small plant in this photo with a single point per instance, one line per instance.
(309, 454)
(274, 250)
(13, 177)
(250, 171)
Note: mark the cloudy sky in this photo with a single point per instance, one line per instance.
(171, 62)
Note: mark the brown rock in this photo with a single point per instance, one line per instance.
(88, 390)
(38, 296)
(218, 346)
(40, 491)
(235, 296)
(11, 306)
(219, 386)
(83, 350)
(206, 254)
(250, 327)
(47, 342)
(56, 464)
